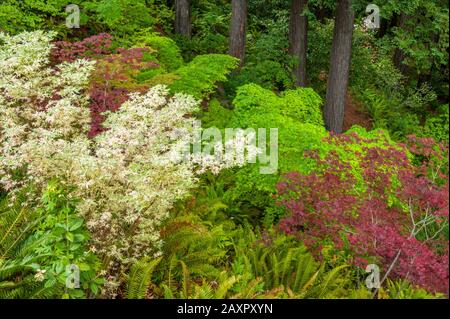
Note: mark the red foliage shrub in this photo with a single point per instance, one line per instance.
(90, 48)
(114, 76)
(113, 81)
(397, 217)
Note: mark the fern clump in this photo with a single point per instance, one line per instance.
(199, 77)
(283, 263)
(140, 278)
(41, 243)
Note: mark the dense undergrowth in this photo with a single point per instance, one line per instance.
(89, 121)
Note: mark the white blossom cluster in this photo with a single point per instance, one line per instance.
(236, 151)
(43, 111)
(126, 178)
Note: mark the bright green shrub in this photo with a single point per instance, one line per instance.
(199, 77)
(12, 18)
(437, 126)
(301, 105)
(21, 15)
(216, 116)
(121, 16)
(296, 114)
(167, 52)
(253, 188)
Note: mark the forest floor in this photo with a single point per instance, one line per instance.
(355, 114)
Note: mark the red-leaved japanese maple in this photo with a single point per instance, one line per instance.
(387, 211)
(92, 47)
(113, 79)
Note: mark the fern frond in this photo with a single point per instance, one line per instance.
(140, 278)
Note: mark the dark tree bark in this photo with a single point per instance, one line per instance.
(321, 14)
(183, 17)
(238, 29)
(384, 24)
(399, 55)
(339, 67)
(298, 31)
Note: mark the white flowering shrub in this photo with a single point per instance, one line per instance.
(235, 151)
(126, 178)
(43, 113)
(130, 183)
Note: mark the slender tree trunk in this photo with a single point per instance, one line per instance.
(238, 29)
(384, 24)
(298, 31)
(339, 67)
(399, 55)
(183, 17)
(320, 14)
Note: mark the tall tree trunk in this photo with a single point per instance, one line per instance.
(384, 24)
(320, 14)
(339, 67)
(183, 17)
(399, 55)
(238, 29)
(298, 31)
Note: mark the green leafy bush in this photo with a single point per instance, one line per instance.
(301, 105)
(22, 15)
(297, 116)
(437, 126)
(216, 115)
(167, 52)
(121, 16)
(39, 245)
(199, 77)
